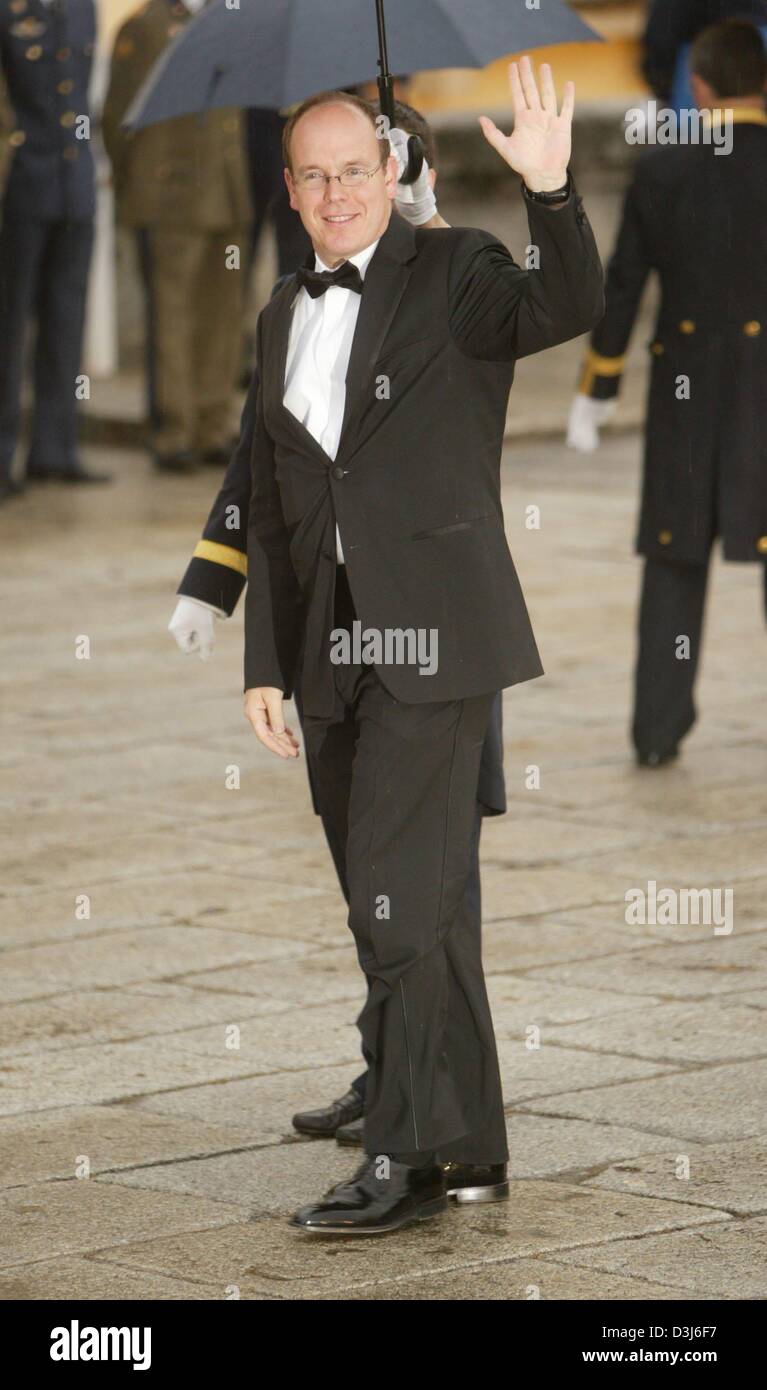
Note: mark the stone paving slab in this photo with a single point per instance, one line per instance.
(530, 1075)
(98, 1282)
(715, 1261)
(519, 1000)
(731, 1177)
(672, 1032)
(721, 966)
(85, 1017)
(119, 1071)
(544, 1146)
(268, 1255)
(153, 953)
(60, 1218)
(196, 897)
(263, 1105)
(714, 1103)
(48, 1144)
(511, 1281)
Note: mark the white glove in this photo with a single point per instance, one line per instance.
(193, 626)
(586, 418)
(415, 201)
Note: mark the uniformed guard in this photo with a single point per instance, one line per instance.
(48, 204)
(183, 184)
(698, 217)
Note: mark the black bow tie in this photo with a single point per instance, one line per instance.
(347, 277)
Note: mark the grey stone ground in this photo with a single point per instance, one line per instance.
(636, 1126)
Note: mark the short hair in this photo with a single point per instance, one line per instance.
(731, 58)
(336, 98)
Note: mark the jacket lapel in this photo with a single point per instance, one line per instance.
(385, 280)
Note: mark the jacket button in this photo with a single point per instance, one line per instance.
(16, 138)
(63, 55)
(338, 472)
(752, 329)
(657, 348)
(687, 326)
(66, 86)
(34, 52)
(664, 537)
(761, 545)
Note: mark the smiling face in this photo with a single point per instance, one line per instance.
(340, 221)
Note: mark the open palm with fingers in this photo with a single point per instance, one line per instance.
(540, 144)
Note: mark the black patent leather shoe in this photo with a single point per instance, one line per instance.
(368, 1204)
(73, 473)
(351, 1134)
(323, 1124)
(476, 1182)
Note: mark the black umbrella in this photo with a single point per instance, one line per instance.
(272, 53)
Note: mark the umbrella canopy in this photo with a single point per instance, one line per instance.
(271, 53)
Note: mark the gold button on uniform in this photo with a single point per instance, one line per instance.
(68, 119)
(687, 326)
(63, 55)
(65, 87)
(664, 537)
(34, 52)
(16, 138)
(752, 329)
(657, 348)
(761, 545)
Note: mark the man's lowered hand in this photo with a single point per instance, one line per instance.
(264, 712)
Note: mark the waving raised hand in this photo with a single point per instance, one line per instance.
(539, 146)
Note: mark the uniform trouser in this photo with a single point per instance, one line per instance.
(43, 272)
(195, 310)
(399, 783)
(671, 608)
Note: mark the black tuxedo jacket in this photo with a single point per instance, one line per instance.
(415, 485)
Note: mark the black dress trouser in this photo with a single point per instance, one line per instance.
(396, 785)
(671, 608)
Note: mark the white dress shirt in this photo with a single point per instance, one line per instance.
(319, 347)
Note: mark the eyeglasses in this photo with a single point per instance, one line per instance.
(352, 177)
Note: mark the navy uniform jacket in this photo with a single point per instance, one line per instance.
(218, 569)
(46, 54)
(699, 220)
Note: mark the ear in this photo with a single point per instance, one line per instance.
(391, 173)
(291, 188)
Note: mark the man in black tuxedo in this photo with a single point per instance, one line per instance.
(216, 576)
(375, 512)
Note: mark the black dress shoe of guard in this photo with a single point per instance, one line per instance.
(657, 759)
(10, 487)
(369, 1205)
(74, 473)
(183, 462)
(351, 1134)
(476, 1182)
(324, 1123)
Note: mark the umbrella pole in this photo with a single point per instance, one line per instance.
(415, 149)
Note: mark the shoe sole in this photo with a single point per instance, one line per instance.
(494, 1192)
(424, 1213)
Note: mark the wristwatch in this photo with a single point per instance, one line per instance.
(556, 195)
